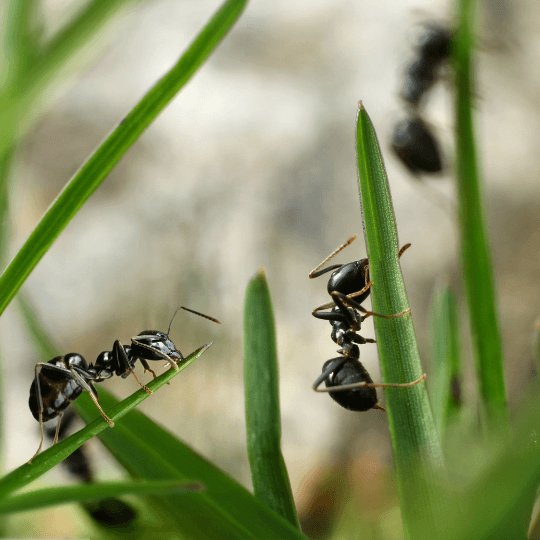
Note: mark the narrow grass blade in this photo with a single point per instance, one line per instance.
(416, 444)
(42, 498)
(475, 251)
(445, 382)
(49, 458)
(263, 422)
(37, 67)
(225, 510)
(95, 170)
(494, 496)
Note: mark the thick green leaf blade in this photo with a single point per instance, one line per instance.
(26, 473)
(225, 510)
(445, 382)
(475, 250)
(263, 421)
(42, 498)
(417, 449)
(95, 170)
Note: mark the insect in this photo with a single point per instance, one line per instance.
(63, 379)
(346, 379)
(413, 142)
(432, 51)
(416, 146)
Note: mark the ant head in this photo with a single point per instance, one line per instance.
(350, 278)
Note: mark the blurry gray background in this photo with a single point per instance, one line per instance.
(253, 166)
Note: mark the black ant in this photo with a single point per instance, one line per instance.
(416, 146)
(63, 379)
(346, 379)
(412, 140)
(432, 51)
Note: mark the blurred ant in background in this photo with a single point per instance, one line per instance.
(63, 379)
(346, 379)
(412, 140)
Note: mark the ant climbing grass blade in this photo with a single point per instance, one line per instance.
(49, 458)
(224, 510)
(42, 498)
(263, 422)
(414, 435)
(98, 166)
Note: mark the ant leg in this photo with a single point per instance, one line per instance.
(37, 371)
(120, 352)
(327, 372)
(355, 305)
(316, 273)
(147, 367)
(58, 427)
(92, 391)
(344, 387)
(357, 338)
(330, 316)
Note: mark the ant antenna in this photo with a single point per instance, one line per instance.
(191, 311)
(315, 272)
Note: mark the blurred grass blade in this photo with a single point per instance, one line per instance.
(225, 510)
(263, 422)
(94, 171)
(42, 498)
(475, 252)
(49, 458)
(40, 67)
(445, 382)
(495, 502)
(417, 449)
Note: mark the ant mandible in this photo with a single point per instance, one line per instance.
(346, 379)
(63, 379)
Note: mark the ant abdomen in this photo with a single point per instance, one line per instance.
(351, 371)
(57, 391)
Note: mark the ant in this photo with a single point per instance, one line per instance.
(63, 379)
(412, 140)
(432, 50)
(416, 146)
(346, 379)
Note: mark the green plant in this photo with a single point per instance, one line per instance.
(487, 493)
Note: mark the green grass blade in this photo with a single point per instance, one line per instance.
(475, 251)
(263, 421)
(49, 458)
(95, 170)
(415, 439)
(225, 510)
(445, 383)
(42, 498)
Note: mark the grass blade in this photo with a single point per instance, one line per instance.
(42, 498)
(475, 251)
(445, 383)
(49, 458)
(263, 422)
(95, 170)
(225, 510)
(417, 449)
